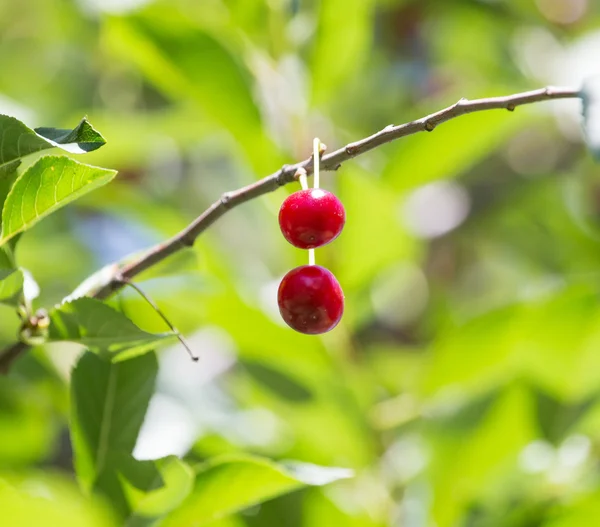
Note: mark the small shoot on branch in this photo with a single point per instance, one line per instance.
(154, 306)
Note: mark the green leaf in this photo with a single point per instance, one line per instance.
(320, 509)
(8, 168)
(37, 498)
(11, 286)
(46, 186)
(551, 340)
(172, 485)
(109, 402)
(100, 328)
(591, 114)
(577, 512)
(123, 474)
(81, 139)
(474, 355)
(278, 382)
(229, 484)
(361, 194)
(484, 458)
(109, 405)
(336, 56)
(28, 421)
(413, 164)
(17, 140)
(6, 261)
(8, 176)
(159, 46)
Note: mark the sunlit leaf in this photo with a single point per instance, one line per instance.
(486, 456)
(475, 356)
(229, 484)
(451, 148)
(551, 339)
(357, 244)
(164, 57)
(49, 184)
(32, 498)
(576, 513)
(320, 510)
(340, 48)
(28, 427)
(100, 328)
(305, 362)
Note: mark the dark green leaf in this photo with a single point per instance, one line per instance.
(109, 402)
(46, 186)
(170, 487)
(8, 176)
(6, 259)
(81, 139)
(109, 405)
(278, 382)
(101, 329)
(121, 473)
(556, 419)
(229, 484)
(8, 168)
(17, 140)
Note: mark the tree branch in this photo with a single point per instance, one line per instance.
(332, 161)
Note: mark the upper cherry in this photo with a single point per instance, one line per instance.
(310, 299)
(311, 218)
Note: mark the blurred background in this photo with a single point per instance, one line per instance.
(463, 384)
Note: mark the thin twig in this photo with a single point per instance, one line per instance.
(288, 174)
(175, 331)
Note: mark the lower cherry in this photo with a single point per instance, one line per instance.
(310, 299)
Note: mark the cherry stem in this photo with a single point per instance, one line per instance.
(316, 159)
(303, 181)
(153, 304)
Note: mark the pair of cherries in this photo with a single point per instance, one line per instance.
(310, 298)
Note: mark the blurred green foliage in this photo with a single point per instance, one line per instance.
(462, 384)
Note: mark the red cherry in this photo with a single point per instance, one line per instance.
(310, 299)
(311, 218)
